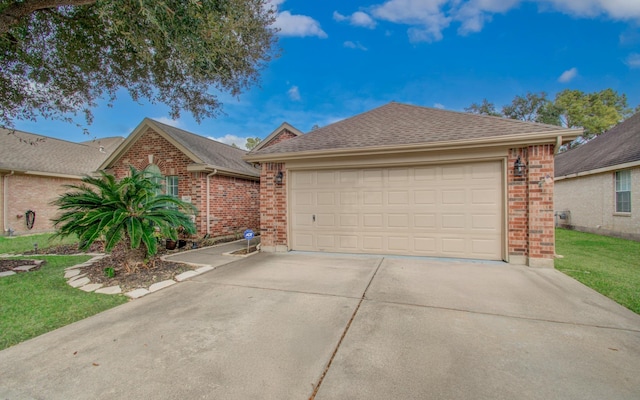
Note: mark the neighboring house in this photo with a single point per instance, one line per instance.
(598, 183)
(33, 173)
(408, 180)
(211, 175)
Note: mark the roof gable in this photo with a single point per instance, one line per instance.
(201, 150)
(620, 145)
(396, 124)
(273, 136)
(53, 156)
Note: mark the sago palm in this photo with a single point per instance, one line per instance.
(127, 211)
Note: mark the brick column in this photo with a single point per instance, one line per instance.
(273, 208)
(517, 209)
(541, 224)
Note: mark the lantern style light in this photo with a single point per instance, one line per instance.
(518, 167)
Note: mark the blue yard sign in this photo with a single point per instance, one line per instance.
(248, 234)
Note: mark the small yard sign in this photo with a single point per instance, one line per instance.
(248, 234)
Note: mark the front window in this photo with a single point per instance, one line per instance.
(172, 186)
(623, 191)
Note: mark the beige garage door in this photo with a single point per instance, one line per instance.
(444, 211)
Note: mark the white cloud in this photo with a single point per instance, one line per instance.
(440, 106)
(298, 25)
(358, 18)
(231, 140)
(339, 17)
(168, 121)
(633, 61)
(426, 17)
(568, 75)
(356, 45)
(294, 93)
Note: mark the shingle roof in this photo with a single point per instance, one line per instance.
(210, 151)
(52, 155)
(404, 124)
(619, 145)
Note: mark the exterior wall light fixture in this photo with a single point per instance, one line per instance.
(278, 178)
(518, 167)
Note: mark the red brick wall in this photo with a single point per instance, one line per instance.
(281, 137)
(273, 210)
(32, 192)
(234, 202)
(530, 205)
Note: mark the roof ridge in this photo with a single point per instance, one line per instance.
(197, 135)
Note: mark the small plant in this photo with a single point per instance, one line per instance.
(109, 272)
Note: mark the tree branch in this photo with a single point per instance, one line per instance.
(17, 11)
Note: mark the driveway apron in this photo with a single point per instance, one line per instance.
(300, 326)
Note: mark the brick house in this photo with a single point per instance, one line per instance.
(33, 173)
(598, 183)
(211, 175)
(408, 180)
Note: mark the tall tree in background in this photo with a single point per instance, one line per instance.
(58, 58)
(484, 108)
(596, 112)
(252, 142)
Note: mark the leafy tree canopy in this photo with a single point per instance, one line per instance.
(252, 142)
(595, 112)
(58, 57)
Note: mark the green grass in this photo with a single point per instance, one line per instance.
(36, 302)
(608, 265)
(19, 244)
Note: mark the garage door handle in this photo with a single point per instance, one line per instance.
(314, 218)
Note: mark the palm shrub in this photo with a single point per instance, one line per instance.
(128, 211)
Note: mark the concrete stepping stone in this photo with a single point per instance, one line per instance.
(161, 285)
(6, 273)
(25, 267)
(91, 287)
(79, 282)
(109, 290)
(137, 293)
(71, 273)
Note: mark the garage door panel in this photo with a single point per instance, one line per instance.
(450, 210)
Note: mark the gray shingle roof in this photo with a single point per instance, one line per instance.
(52, 155)
(210, 151)
(619, 145)
(404, 124)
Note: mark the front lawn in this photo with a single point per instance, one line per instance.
(608, 265)
(36, 302)
(20, 244)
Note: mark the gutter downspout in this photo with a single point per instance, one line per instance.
(558, 145)
(215, 171)
(5, 208)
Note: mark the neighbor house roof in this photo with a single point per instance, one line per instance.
(207, 154)
(36, 154)
(396, 125)
(618, 146)
(285, 126)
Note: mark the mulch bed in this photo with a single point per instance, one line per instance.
(10, 264)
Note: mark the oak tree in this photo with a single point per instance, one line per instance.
(59, 57)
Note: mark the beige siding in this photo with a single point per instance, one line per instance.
(452, 210)
(591, 201)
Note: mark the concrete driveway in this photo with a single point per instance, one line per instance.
(294, 326)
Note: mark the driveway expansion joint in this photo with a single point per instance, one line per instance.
(344, 333)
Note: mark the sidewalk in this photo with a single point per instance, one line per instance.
(212, 256)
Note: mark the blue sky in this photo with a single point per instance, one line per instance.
(340, 58)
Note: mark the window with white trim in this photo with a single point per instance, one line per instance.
(172, 186)
(623, 191)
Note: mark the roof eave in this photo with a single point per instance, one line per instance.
(549, 137)
(609, 168)
(199, 167)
